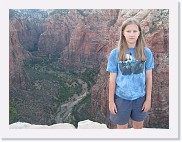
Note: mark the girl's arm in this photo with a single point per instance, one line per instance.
(147, 104)
(112, 86)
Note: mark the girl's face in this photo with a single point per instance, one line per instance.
(131, 33)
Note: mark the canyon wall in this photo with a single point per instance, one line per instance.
(83, 39)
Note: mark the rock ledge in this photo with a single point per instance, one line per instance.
(86, 124)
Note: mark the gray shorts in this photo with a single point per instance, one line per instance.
(128, 109)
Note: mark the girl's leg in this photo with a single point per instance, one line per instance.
(137, 124)
(137, 115)
(125, 126)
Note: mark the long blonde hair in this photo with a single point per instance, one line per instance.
(140, 43)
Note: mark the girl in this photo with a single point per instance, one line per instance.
(130, 84)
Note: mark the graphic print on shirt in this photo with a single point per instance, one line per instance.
(130, 66)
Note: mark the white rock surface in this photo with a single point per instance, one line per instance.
(86, 124)
(55, 126)
(63, 126)
(19, 125)
(22, 125)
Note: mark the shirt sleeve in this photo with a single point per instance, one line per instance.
(112, 65)
(150, 59)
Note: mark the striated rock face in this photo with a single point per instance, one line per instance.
(24, 32)
(29, 24)
(155, 26)
(55, 37)
(83, 39)
(16, 56)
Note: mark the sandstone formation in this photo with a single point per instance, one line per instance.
(16, 57)
(81, 40)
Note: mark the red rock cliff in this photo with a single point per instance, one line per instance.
(155, 26)
(85, 38)
(16, 57)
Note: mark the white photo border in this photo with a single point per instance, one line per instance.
(171, 133)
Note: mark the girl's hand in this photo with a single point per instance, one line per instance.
(146, 105)
(112, 107)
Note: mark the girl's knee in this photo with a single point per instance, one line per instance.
(122, 126)
(138, 125)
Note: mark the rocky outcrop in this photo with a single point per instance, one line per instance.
(155, 26)
(25, 28)
(16, 57)
(83, 39)
(86, 124)
(29, 25)
(55, 37)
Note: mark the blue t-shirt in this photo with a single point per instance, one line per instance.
(131, 74)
